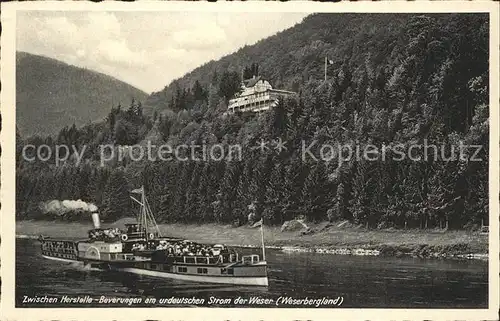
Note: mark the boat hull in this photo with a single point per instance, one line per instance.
(234, 280)
(251, 280)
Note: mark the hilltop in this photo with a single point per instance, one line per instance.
(51, 94)
(358, 45)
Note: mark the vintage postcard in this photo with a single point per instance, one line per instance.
(250, 161)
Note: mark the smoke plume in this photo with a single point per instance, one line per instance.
(62, 207)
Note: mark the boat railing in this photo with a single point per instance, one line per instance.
(59, 246)
(64, 251)
(136, 234)
(105, 239)
(206, 260)
(124, 256)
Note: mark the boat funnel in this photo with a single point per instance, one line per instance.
(96, 220)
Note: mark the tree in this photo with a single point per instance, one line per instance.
(116, 200)
(314, 193)
(229, 85)
(251, 71)
(339, 209)
(198, 92)
(192, 196)
(226, 196)
(359, 204)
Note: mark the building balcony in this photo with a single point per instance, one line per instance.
(257, 105)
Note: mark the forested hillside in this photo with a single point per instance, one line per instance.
(396, 79)
(51, 94)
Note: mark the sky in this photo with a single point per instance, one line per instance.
(145, 49)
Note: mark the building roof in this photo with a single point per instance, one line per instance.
(251, 82)
(281, 91)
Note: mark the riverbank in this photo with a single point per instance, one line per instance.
(327, 238)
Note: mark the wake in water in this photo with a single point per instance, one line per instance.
(83, 267)
(25, 236)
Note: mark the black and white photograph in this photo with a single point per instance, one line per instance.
(251, 159)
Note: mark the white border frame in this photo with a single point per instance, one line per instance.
(7, 139)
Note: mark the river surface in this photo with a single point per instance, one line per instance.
(360, 281)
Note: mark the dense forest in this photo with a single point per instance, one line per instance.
(394, 79)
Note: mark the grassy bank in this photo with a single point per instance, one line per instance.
(388, 242)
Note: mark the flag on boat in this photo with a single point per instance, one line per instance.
(257, 224)
(261, 224)
(137, 190)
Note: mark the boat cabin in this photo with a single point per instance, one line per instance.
(135, 232)
(250, 259)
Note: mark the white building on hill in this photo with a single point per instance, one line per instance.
(257, 95)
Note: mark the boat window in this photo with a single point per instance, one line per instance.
(190, 260)
(153, 266)
(182, 269)
(203, 270)
(230, 271)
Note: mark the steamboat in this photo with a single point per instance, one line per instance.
(140, 248)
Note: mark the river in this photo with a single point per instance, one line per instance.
(360, 281)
